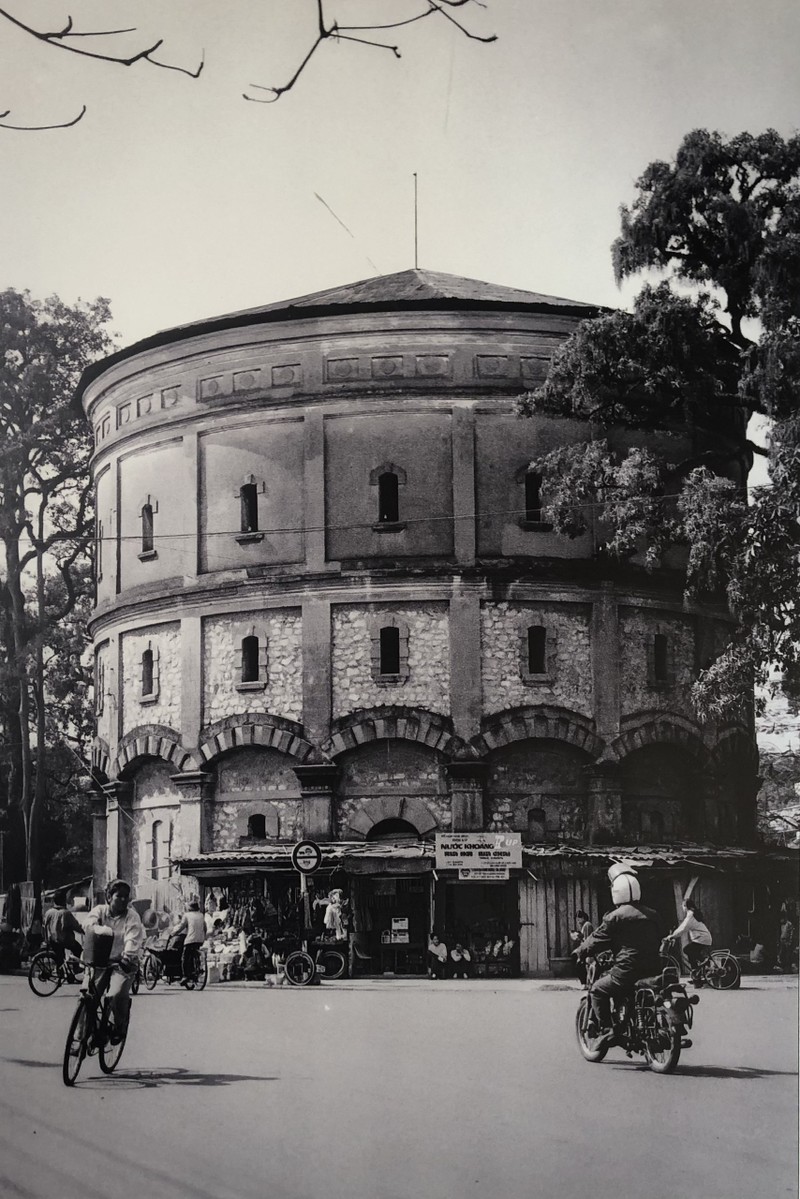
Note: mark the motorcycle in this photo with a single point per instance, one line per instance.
(652, 1021)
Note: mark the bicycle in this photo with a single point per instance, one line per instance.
(46, 974)
(301, 967)
(718, 969)
(91, 1031)
(166, 964)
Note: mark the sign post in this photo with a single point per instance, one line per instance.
(306, 859)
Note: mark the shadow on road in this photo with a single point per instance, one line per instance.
(177, 1076)
(740, 1072)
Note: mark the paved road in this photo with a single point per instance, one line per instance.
(396, 1090)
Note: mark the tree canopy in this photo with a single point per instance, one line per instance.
(724, 217)
(45, 537)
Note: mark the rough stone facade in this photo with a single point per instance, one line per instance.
(640, 689)
(567, 680)
(164, 705)
(428, 683)
(279, 691)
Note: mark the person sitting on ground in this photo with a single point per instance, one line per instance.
(128, 932)
(254, 958)
(698, 944)
(631, 932)
(437, 958)
(192, 925)
(460, 961)
(60, 927)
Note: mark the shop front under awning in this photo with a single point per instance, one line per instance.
(354, 857)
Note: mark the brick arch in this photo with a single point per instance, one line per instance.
(538, 723)
(396, 723)
(256, 729)
(392, 807)
(735, 745)
(101, 757)
(153, 741)
(660, 729)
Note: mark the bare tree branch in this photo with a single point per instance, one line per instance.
(37, 128)
(341, 33)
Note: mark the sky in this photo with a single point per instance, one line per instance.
(178, 200)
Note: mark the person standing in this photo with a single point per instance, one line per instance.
(583, 929)
(192, 922)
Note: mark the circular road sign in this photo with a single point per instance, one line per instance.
(306, 857)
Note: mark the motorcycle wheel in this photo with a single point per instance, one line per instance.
(662, 1049)
(585, 1042)
(724, 974)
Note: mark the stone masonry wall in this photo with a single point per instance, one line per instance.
(222, 649)
(105, 704)
(638, 690)
(165, 708)
(346, 806)
(428, 682)
(569, 684)
(227, 823)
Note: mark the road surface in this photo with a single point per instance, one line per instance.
(393, 1090)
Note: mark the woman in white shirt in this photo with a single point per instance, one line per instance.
(698, 942)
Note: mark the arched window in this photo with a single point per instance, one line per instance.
(390, 829)
(661, 658)
(250, 671)
(533, 496)
(147, 529)
(147, 672)
(248, 494)
(390, 650)
(257, 826)
(537, 649)
(536, 824)
(388, 498)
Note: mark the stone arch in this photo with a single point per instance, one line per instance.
(153, 741)
(543, 722)
(659, 729)
(256, 728)
(393, 722)
(392, 807)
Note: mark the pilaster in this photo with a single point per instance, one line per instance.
(119, 829)
(314, 490)
(467, 784)
(316, 791)
(194, 786)
(605, 803)
(191, 680)
(463, 427)
(465, 663)
(605, 664)
(317, 669)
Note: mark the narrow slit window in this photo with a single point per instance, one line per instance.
(533, 496)
(257, 826)
(660, 658)
(248, 493)
(250, 660)
(390, 650)
(388, 499)
(155, 850)
(147, 672)
(537, 649)
(147, 529)
(98, 553)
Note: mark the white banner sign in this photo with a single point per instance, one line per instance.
(485, 874)
(475, 851)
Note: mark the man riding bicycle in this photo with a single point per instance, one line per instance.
(129, 936)
(631, 933)
(60, 927)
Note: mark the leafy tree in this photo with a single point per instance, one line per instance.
(725, 216)
(45, 534)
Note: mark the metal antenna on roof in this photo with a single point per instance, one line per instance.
(416, 261)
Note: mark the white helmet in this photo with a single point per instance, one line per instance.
(622, 867)
(625, 889)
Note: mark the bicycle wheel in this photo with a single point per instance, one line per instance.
(586, 1042)
(44, 976)
(201, 972)
(110, 1053)
(675, 962)
(151, 972)
(662, 1049)
(299, 968)
(724, 973)
(76, 1044)
(331, 963)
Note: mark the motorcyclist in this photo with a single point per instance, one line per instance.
(631, 933)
